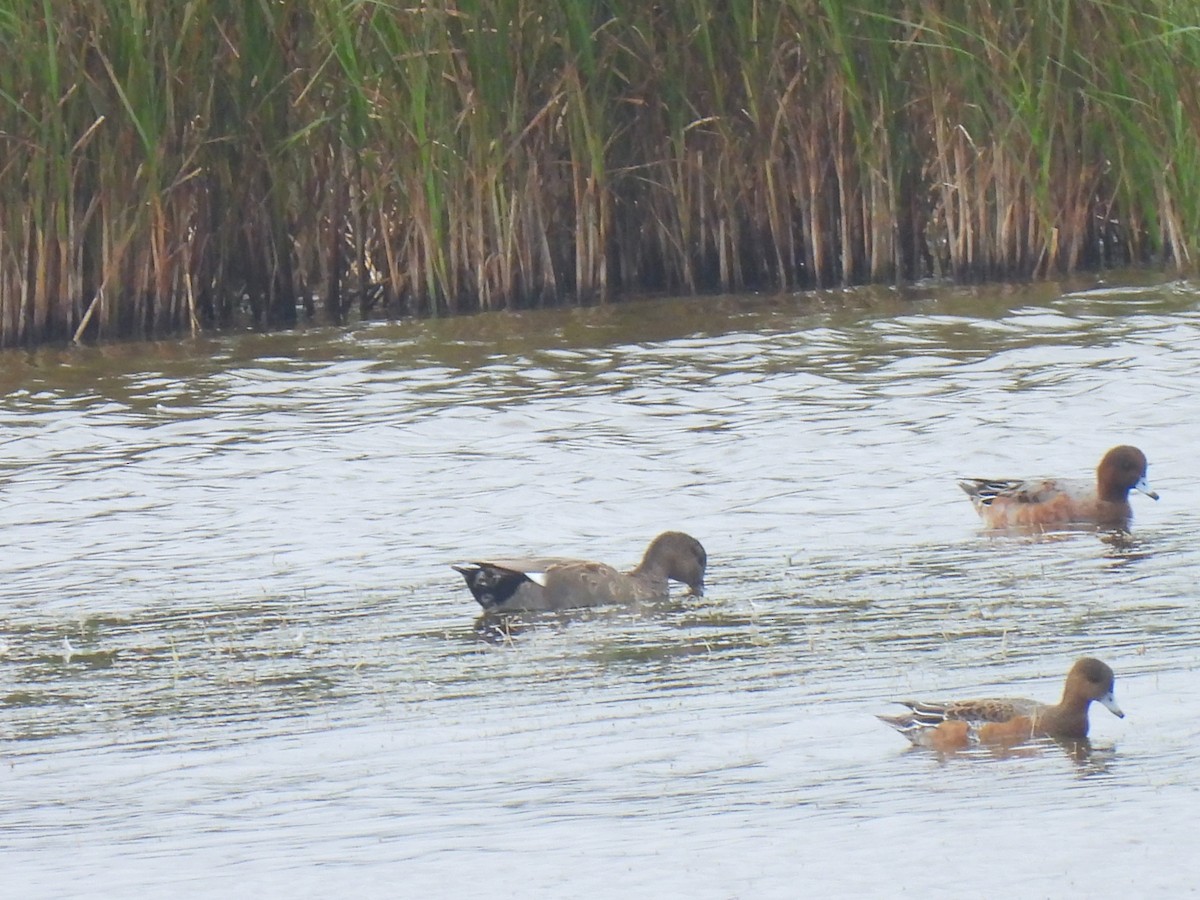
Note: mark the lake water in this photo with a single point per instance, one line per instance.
(234, 660)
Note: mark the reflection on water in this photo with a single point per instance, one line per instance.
(234, 656)
(1091, 760)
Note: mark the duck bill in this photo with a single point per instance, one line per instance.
(1110, 703)
(1142, 487)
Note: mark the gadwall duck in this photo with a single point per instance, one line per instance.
(555, 583)
(1040, 503)
(957, 724)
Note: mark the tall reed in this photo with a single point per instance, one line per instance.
(170, 167)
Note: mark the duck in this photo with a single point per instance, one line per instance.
(1049, 502)
(956, 725)
(555, 583)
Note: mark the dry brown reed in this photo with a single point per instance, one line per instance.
(172, 167)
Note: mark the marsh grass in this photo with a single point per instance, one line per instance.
(167, 167)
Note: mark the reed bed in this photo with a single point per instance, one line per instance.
(171, 167)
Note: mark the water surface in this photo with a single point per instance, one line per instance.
(233, 659)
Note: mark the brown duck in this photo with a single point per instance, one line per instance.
(956, 725)
(549, 583)
(1049, 502)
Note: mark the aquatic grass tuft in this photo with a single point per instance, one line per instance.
(168, 168)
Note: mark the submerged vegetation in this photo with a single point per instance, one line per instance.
(167, 167)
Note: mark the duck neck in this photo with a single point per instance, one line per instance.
(650, 570)
(1069, 717)
(1111, 493)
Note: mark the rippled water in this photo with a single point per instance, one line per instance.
(233, 659)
